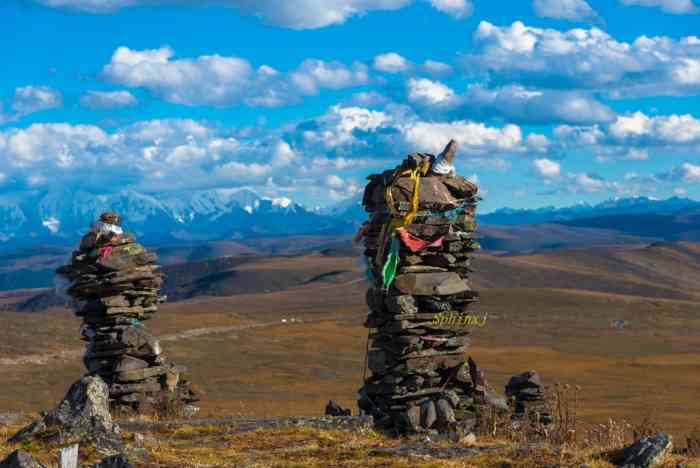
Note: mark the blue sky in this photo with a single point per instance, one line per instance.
(554, 102)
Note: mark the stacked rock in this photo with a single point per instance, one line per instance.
(115, 286)
(418, 242)
(529, 398)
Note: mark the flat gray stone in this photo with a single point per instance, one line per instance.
(430, 284)
(141, 374)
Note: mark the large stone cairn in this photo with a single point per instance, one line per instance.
(419, 323)
(115, 285)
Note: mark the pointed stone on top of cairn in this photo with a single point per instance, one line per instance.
(418, 242)
(115, 285)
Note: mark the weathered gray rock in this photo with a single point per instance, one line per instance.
(83, 414)
(446, 413)
(128, 363)
(529, 379)
(334, 409)
(413, 418)
(428, 414)
(401, 305)
(20, 459)
(142, 343)
(141, 374)
(429, 284)
(115, 461)
(646, 452)
(495, 400)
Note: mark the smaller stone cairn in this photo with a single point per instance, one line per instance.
(115, 285)
(529, 398)
(418, 242)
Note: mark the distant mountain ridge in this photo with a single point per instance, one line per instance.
(61, 216)
(619, 206)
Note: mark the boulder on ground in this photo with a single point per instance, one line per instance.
(82, 415)
(647, 452)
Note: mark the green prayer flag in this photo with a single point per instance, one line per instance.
(392, 263)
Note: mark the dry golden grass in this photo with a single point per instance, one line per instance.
(289, 369)
(217, 446)
(293, 369)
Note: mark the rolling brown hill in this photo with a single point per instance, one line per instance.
(660, 270)
(34, 267)
(537, 237)
(668, 269)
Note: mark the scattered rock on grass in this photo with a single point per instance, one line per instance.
(116, 461)
(9, 418)
(20, 459)
(646, 452)
(334, 409)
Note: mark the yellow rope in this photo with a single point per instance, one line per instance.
(415, 175)
(397, 222)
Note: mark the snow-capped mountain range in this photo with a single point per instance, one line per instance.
(61, 216)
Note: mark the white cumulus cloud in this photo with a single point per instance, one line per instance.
(531, 105)
(547, 168)
(474, 138)
(30, 99)
(357, 133)
(575, 10)
(181, 81)
(108, 99)
(634, 136)
(455, 8)
(678, 7)
(587, 59)
(663, 129)
(435, 67)
(428, 91)
(514, 103)
(391, 62)
(296, 14)
(334, 181)
(691, 172)
(229, 80)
